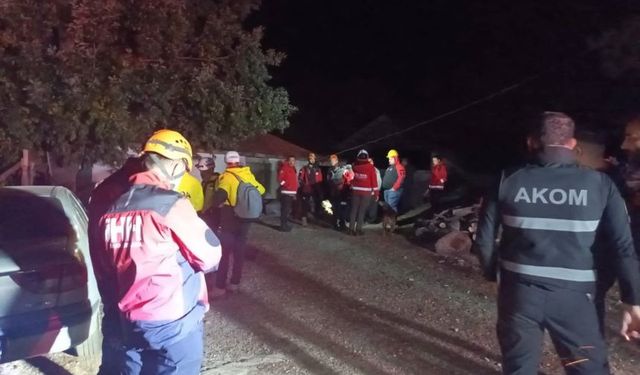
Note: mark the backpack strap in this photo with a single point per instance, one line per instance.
(236, 176)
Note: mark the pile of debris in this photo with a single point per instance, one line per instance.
(452, 230)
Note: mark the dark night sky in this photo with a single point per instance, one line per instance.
(350, 61)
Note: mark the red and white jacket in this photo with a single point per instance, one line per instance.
(309, 176)
(365, 180)
(156, 250)
(288, 179)
(438, 177)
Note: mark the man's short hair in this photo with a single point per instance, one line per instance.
(290, 157)
(554, 129)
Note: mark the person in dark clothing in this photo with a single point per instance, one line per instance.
(311, 195)
(365, 188)
(339, 180)
(549, 212)
(288, 179)
(103, 196)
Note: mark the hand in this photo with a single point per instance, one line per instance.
(631, 323)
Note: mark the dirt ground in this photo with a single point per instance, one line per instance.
(319, 302)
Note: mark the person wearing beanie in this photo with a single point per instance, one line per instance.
(549, 212)
(364, 188)
(288, 179)
(233, 230)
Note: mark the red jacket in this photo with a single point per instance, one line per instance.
(288, 179)
(438, 177)
(310, 175)
(157, 248)
(365, 180)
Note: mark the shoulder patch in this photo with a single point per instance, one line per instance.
(147, 198)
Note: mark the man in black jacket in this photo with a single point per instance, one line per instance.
(549, 211)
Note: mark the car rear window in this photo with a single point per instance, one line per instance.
(26, 216)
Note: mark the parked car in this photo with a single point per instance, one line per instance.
(49, 299)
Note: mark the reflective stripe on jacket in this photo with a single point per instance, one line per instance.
(550, 212)
(288, 180)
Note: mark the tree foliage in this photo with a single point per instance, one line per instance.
(85, 78)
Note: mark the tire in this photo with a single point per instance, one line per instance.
(92, 347)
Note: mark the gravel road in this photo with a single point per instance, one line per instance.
(319, 302)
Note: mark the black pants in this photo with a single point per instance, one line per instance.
(286, 205)
(525, 311)
(233, 238)
(339, 208)
(359, 207)
(311, 202)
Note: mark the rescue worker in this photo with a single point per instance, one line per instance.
(102, 198)
(191, 188)
(364, 188)
(288, 180)
(437, 182)
(339, 180)
(154, 253)
(372, 212)
(393, 180)
(310, 181)
(549, 212)
(233, 230)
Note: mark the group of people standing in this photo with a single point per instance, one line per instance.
(352, 190)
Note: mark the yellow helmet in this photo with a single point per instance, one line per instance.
(170, 144)
(392, 154)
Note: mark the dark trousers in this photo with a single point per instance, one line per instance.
(525, 311)
(233, 239)
(311, 201)
(339, 208)
(359, 207)
(112, 342)
(372, 211)
(286, 205)
(181, 358)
